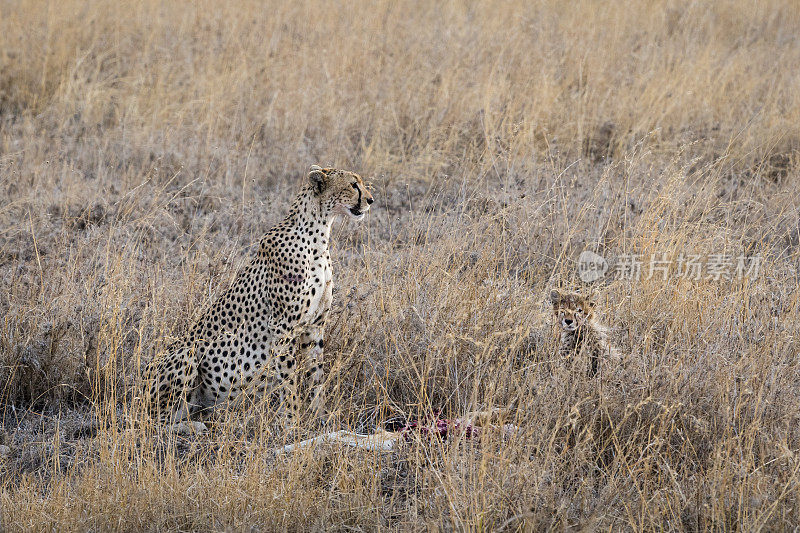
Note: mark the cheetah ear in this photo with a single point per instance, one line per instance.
(317, 178)
(555, 297)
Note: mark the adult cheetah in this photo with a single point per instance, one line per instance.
(267, 329)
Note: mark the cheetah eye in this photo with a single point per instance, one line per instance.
(580, 310)
(355, 185)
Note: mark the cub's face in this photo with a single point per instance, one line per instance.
(341, 192)
(571, 309)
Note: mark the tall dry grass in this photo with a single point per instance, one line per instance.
(144, 147)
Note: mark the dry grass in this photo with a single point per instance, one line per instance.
(145, 147)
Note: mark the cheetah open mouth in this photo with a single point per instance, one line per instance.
(356, 211)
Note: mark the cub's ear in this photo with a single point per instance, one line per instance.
(317, 178)
(591, 301)
(555, 297)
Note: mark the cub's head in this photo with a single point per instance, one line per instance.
(340, 192)
(571, 309)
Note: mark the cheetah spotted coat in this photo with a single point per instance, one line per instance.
(267, 329)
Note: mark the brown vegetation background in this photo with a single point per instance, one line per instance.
(144, 147)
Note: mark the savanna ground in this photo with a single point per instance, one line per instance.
(145, 147)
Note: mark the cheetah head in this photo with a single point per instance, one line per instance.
(340, 192)
(572, 310)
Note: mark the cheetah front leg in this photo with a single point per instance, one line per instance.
(311, 346)
(284, 360)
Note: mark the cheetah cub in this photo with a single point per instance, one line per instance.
(581, 334)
